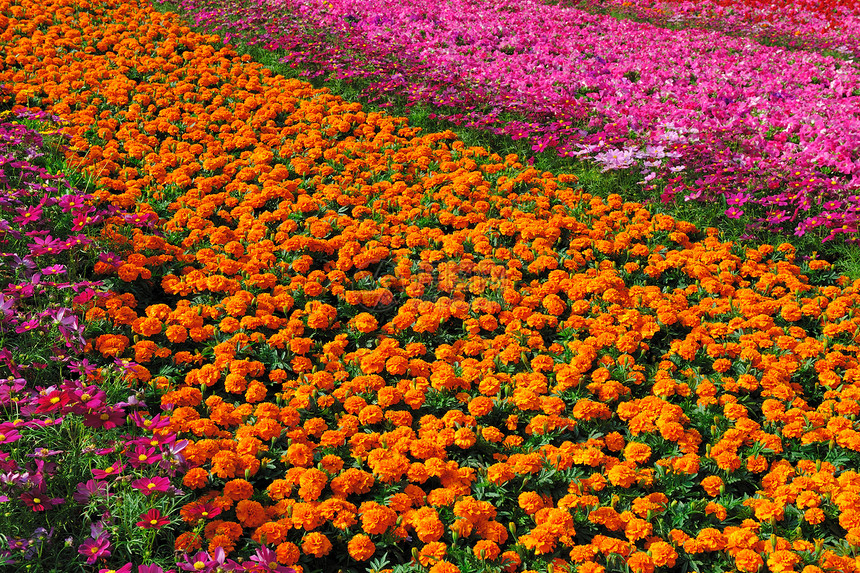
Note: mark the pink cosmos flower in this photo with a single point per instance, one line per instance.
(92, 489)
(89, 398)
(152, 568)
(197, 510)
(27, 326)
(95, 549)
(148, 486)
(106, 419)
(266, 561)
(199, 562)
(52, 401)
(28, 215)
(155, 423)
(9, 436)
(154, 440)
(152, 519)
(112, 470)
(124, 569)
(38, 500)
(143, 456)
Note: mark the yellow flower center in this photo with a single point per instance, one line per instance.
(199, 565)
(37, 500)
(55, 399)
(86, 397)
(150, 485)
(153, 521)
(141, 457)
(104, 416)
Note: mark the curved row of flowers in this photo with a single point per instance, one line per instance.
(832, 25)
(389, 350)
(745, 123)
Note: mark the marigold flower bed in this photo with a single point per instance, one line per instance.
(386, 346)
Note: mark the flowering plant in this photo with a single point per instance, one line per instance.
(355, 345)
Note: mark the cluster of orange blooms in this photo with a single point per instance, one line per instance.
(378, 339)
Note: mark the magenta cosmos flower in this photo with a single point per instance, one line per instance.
(112, 470)
(9, 436)
(92, 489)
(38, 500)
(153, 568)
(143, 455)
(201, 562)
(95, 549)
(197, 510)
(150, 485)
(124, 569)
(106, 418)
(152, 519)
(266, 561)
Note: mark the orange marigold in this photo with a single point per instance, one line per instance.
(376, 518)
(640, 562)
(188, 542)
(316, 544)
(621, 475)
(748, 561)
(713, 485)
(238, 489)
(782, 561)
(663, 554)
(444, 567)
(814, 515)
(481, 406)
(111, 344)
(530, 502)
(487, 550)
(432, 552)
(195, 478)
(250, 513)
(427, 525)
(270, 533)
(222, 541)
(510, 561)
(176, 333)
(352, 481)
(300, 455)
(360, 547)
(637, 452)
(311, 484)
(287, 553)
(365, 322)
(226, 464)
